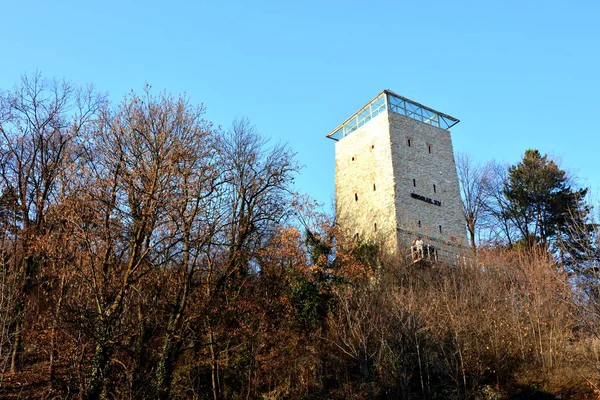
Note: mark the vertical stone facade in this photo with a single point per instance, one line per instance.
(365, 184)
(396, 180)
(427, 194)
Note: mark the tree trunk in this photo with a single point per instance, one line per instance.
(166, 366)
(140, 357)
(214, 365)
(471, 229)
(15, 355)
(99, 370)
(53, 345)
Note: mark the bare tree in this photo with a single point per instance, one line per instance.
(257, 190)
(194, 220)
(498, 226)
(137, 167)
(254, 197)
(472, 178)
(41, 126)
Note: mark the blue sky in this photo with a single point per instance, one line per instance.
(518, 74)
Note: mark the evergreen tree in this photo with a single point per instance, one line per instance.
(542, 205)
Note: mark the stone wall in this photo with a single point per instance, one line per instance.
(427, 193)
(364, 183)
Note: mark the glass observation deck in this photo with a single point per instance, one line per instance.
(395, 103)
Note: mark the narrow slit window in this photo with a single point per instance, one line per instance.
(440, 229)
(419, 223)
(429, 148)
(375, 226)
(414, 182)
(372, 146)
(408, 142)
(374, 187)
(434, 188)
(355, 196)
(352, 158)
(356, 237)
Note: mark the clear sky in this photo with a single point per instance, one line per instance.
(518, 74)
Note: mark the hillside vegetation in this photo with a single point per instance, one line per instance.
(146, 254)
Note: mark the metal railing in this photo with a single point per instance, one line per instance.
(388, 100)
(429, 253)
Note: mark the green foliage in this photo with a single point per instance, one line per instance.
(367, 254)
(318, 250)
(310, 294)
(541, 204)
(310, 301)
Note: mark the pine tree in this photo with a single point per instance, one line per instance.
(542, 205)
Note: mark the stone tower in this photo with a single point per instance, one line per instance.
(395, 176)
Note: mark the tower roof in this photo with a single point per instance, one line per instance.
(395, 103)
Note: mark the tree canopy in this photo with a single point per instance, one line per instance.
(541, 203)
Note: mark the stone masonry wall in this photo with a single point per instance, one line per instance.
(364, 183)
(425, 168)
